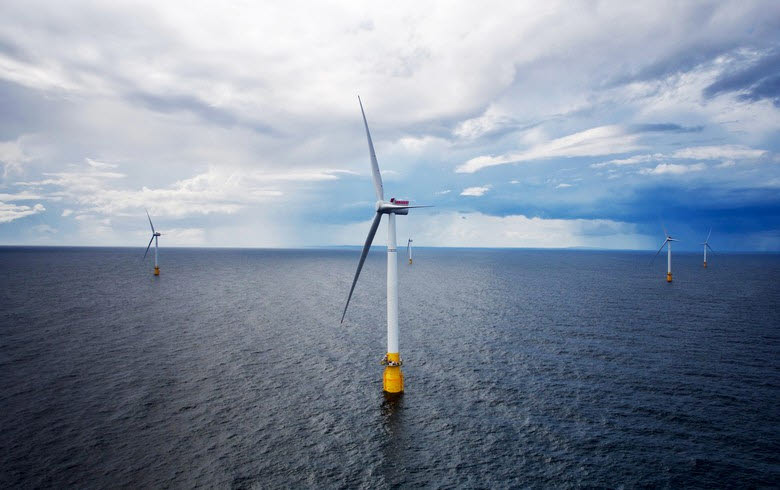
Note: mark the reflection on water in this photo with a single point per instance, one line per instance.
(394, 439)
(392, 404)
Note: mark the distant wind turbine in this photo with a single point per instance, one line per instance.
(706, 246)
(393, 378)
(409, 250)
(155, 234)
(668, 243)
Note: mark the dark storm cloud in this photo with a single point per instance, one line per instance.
(758, 81)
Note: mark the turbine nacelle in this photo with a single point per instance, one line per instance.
(394, 206)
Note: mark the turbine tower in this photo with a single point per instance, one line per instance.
(155, 234)
(409, 250)
(706, 246)
(393, 378)
(668, 243)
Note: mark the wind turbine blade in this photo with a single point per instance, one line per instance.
(658, 252)
(380, 192)
(147, 247)
(150, 220)
(664, 227)
(708, 236)
(366, 248)
(708, 246)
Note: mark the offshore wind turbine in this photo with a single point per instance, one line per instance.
(409, 250)
(155, 234)
(393, 378)
(668, 243)
(706, 246)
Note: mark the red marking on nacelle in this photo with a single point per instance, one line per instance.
(400, 203)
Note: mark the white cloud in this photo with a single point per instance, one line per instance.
(178, 117)
(416, 145)
(184, 237)
(602, 140)
(629, 161)
(13, 156)
(44, 229)
(67, 212)
(476, 191)
(11, 212)
(21, 196)
(673, 169)
(488, 122)
(442, 193)
(731, 152)
(218, 190)
(451, 229)
(96, 164)
(562, 186)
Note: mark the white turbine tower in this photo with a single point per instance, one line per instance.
(155, 234)
(409, 250)
(668, 243)
(393, 379)
(706, 246)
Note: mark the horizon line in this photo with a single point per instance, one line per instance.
(310, 247)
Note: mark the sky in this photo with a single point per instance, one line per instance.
(526, 124)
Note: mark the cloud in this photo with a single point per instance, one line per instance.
(218, 190)
(44, 229)
(13, 156)
(183, 237)
(673, 169)
(667, 128)
(715, 152)
(732, 152)
(11, 212)
(21, 196)
(476, 191)
(490, 122)
(629, 161)
(760, 80)
(562, 186)
(96, 164)
(442, 193)
(178, 117)
(602, 140)
(452, 229)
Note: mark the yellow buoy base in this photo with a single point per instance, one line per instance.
(393, 378)
(668, 277)
(705, 264)
(156, 271)
(410, 261)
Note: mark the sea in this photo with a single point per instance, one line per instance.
(523, 368)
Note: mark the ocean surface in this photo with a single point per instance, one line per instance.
(523, 368)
